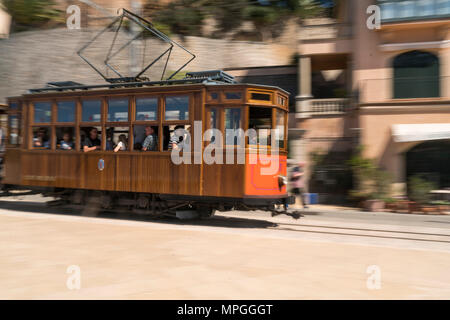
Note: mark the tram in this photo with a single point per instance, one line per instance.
(48, 128)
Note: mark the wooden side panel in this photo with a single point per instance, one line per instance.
(95, 178)
(39, 169)
(158, 174)
(224, 180)
(124, 177)
(12, 166)
(68, 171)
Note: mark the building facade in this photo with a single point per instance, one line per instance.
(394, 91)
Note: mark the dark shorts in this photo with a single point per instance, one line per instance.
(297, 191)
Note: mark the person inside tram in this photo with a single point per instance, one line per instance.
(92, 142)
(176, 139)
(151, 140)
(66, 143)
(139, 133)
(122, 144)
(109, 139)
(41, 139)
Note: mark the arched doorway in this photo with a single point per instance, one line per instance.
(416, 75)
(431, 160)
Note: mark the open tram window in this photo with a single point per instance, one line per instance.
(176, 108)
(117, 109)
(177, 137)
(90, 138)
(65, 138)
(117, 139)
(42, 112)
(41, 137)
(233, 126)
(66, 111)
(146, 137)
(91, 110)
(259, 124)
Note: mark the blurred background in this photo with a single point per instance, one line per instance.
(370, 89)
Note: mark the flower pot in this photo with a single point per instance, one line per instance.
(374, 205)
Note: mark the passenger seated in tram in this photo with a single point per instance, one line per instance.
(151, 140)
(92, 142)
(122, 144)
(41, 139)
(66, 143)
(109, 139)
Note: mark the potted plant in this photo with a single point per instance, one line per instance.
(419, 192)
(372, 183)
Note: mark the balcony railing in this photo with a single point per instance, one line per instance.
(409, 10)
(324, 29)
(323, 107)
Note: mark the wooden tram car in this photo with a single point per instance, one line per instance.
(147, 181)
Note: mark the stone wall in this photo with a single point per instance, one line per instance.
(31, 59)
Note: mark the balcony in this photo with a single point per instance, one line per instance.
(324, 107)
(413, 10)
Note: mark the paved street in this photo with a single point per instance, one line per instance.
(235, 255)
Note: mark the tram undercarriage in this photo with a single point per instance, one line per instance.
(160, 205)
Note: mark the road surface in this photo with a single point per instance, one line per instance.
(56, 253)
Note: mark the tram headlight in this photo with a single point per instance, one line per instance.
(282, 181)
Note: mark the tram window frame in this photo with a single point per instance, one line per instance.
(146, 122)
(50, 102)
(107, 106)
(283, 113)
(49, 134)
(219, 126)
(13, 112)
(269, 141)
(57, 111)
(252, 99)
(107, 129)
(99, 99)
(227, 99)
(58, 139)
(224, 126)
(177, 121)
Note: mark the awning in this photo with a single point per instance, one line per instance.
(420, 132)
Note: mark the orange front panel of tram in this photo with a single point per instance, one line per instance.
(261, 175)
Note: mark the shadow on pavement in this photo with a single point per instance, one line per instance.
(216, 221)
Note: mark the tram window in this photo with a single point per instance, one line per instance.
(14, 127)
(65, 138)
(13, 105)
(66, 111)
(146, 138)
(91, 110)
(213, 123)
(88, 136)
(177, 108)
(177, 136)
(233, 126)
(260, 120)
(117, 139)
(260, 96)
(281, 128)
(214, 96)
(41, 138)
(118, 109)
(233, 95)
(146, 109)
(42, 112)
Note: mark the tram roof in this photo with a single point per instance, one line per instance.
(106, 89)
